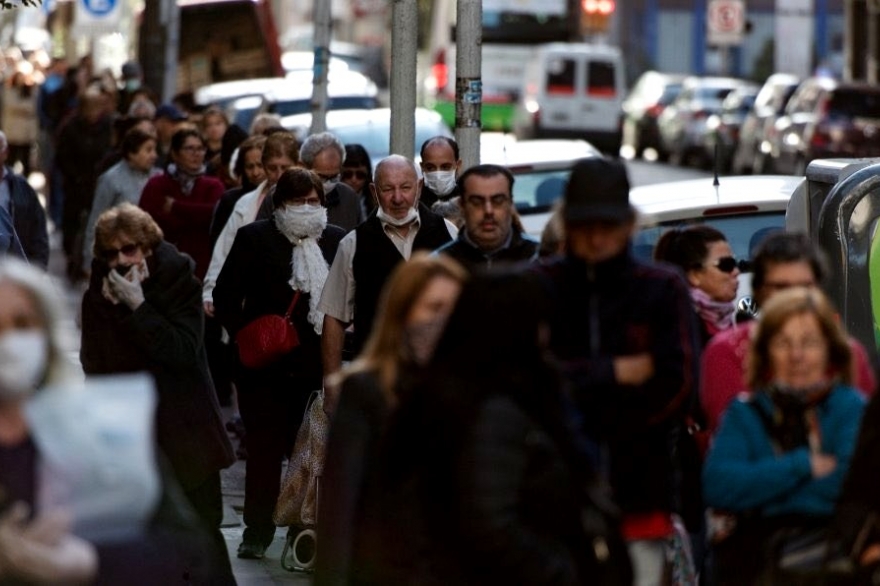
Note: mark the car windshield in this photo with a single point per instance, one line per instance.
(535, 191)
(744, 232)
(376, 138)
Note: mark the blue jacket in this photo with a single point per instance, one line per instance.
(743, 473)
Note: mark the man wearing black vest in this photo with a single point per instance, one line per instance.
(368, 254)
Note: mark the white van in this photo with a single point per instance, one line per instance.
(573, 90)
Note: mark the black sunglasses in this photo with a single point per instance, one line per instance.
(726, 264)
(349, 173)
(127, 250)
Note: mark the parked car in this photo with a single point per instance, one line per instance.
(293, 95)
(370, 128)
(746, 209)
(723, 128)
(768, 107)
(649, 96)
(826, 118)
(541, 168)
(683, 123)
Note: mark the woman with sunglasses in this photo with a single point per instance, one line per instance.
(711, 271)
(182, 199)
(357, 173)
(143, 312)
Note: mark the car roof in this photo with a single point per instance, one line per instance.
(227, 90)
(536, 153)
(342, 82)
(693, 198)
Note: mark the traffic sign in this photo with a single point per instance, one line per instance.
(97, 16)
(725, 22)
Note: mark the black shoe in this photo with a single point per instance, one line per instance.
(249, 550)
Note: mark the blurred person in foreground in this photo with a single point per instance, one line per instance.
(782, 261)
(489, 235)
(357, 173)
(780, 456)
(324, 154)
(272, 264)
(181, 200)
(482, 476)
(705, 258)
(63, 519)
(143, 312)
(416, 302)
(624, 333)
(368, 254)
(124, 181)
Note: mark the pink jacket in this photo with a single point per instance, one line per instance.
(722, 371)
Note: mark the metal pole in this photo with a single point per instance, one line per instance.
(321, 64)
(404, 31)
(468, 80)
(873, 48)
(170, 17)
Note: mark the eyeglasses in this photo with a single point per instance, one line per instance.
(725, 264)
(496, 201)
(356, 173)
(125, 249)
(192, 149)
(334, 177)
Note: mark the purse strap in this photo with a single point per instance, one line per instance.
(292, 304)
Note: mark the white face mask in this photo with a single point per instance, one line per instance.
(298, 222)
(329, 186)
(23, 358)
(410, 216)
(440, 182)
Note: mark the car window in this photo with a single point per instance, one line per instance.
(743, 232)
(846, 104)
(535, 191)
(600, 79)
(670, 92)
(560, 77)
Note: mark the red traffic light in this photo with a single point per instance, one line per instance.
(603, 7)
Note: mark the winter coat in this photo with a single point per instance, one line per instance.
(29, 218)
(163, 336)
(521, 248)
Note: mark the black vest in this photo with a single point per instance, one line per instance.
(374, 259)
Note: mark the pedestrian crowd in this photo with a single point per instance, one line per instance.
(502, 410)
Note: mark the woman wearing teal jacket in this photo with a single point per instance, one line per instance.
(780, 456)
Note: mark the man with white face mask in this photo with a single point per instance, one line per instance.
(368, 254)
(440, 166)
(324, 154)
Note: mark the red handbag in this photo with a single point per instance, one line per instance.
(267, 338)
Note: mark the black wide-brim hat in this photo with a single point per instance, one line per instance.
(598, 189)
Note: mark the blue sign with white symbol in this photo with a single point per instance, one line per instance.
(99, 7)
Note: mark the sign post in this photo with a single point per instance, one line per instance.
(96, 17)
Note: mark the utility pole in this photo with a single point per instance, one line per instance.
(404, 33)
(322, 19)
(468, 80)
(157, 47)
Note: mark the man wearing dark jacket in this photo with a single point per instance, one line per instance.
(623, 331)
(489, 235)
(20, 200)
(399, 226)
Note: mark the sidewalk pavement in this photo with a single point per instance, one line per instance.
(251, 572)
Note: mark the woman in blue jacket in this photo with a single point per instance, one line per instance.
(780, 456)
